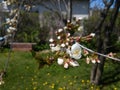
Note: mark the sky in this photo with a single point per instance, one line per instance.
(98, 3)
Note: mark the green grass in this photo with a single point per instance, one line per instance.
(23, 74)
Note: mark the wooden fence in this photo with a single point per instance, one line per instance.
(21, 46)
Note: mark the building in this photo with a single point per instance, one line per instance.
(80, 8)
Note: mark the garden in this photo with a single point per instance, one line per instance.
(76, 54)
(23, 74)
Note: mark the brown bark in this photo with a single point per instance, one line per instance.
(97, 69)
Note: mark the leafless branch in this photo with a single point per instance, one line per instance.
(108, 3)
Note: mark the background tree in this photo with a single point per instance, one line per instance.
(104, 38)
(28, 28)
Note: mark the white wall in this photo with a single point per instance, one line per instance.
(80, 8)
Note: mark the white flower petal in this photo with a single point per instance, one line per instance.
(65, 28)
(51, 40)
(60, 30)
(58, 37)
(56, 48)
(93, 61)
(74, 63)
(87, 60)
(98, 61)
(66, 65)
(68, 39)
(68, 34)
(92, 34)
(67, 43)
(76, 51)
(52, 45)
(62, 45)
(60, 61)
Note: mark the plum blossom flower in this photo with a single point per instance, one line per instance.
(65, 28)
(51, 40)
(68, 39)
(56, 48)
(7, 20)
(66, 65)
(1, 82)
(73, 63)
(58, 37)
(52, 45)
(11, 29)
(92, 34)
(67, 43)
(8, 2)
(93, 61)
(98, 61)
(60, 30)
(75, 51)
(60, 61)
(62, 45)
(85, 52)
(68, 34)
(87, 60)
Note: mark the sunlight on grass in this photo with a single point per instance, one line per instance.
(23, 74)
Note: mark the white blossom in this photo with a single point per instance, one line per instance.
(60, 61)
(65, 28)
(87, 60)
(93, 61)
(92, 34)
(67, 43)
(68, 21)
(68, 51)
(68, 39)
(62, 45)
(2, 82)
(76, 51)
(56, 48)
(68, 34)
(98, 61)
(7, 20)
(8, 2)
(12, 28)
(80, 29)
(58, 37)
(60, 30)
(51, 40)
(13, 20)
(74, 63)
(66, 65)
(52, 45)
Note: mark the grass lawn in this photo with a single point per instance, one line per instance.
(23, 74)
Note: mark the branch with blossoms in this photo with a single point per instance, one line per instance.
(11, 23)
(68, 48)
(12, 20)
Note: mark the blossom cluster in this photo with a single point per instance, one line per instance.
(67, 46)
(12, 7)
(11, 21)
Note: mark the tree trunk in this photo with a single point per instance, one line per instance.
(97, 69)
(69, 14)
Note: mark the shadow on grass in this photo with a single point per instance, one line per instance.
(112, 76)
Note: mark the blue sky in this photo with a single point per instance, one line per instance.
(98, 3)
